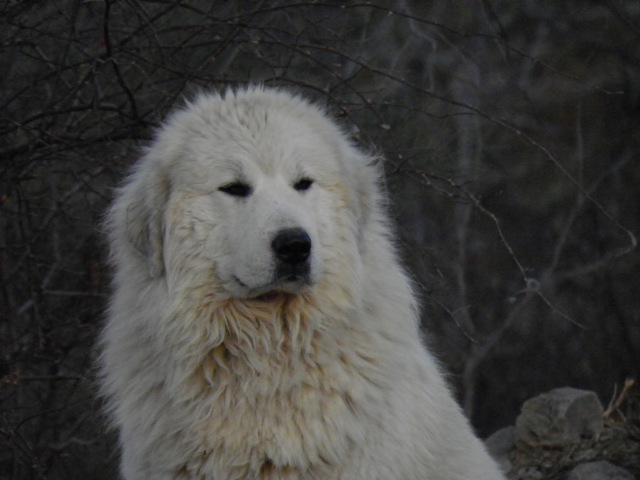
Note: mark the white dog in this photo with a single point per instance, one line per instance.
(261, 326)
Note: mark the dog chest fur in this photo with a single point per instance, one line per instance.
(295, 405)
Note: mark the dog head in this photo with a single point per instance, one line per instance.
(258, 188)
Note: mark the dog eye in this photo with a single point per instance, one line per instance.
(236, 189)
(303, 184)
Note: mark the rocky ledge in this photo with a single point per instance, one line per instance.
(566, 434)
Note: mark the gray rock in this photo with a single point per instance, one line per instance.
(500, 444)
(559, 417)
(601, 470)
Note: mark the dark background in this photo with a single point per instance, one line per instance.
(511, 132)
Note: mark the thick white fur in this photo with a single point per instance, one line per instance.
(215, 369)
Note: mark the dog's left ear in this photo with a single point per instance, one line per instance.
(364, 176)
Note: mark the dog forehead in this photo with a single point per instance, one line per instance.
(265, 136)
(217, 139)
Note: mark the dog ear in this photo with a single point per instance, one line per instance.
(365, 175)
(144, 217)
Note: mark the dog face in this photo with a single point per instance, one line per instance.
(257, 188)
(264, 223)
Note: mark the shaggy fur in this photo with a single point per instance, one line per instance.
(227, 355)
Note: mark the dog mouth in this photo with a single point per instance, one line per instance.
(281, 286)
(270, 297)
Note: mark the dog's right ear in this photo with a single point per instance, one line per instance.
(146, 201)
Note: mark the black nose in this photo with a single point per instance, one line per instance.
(292, 246)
